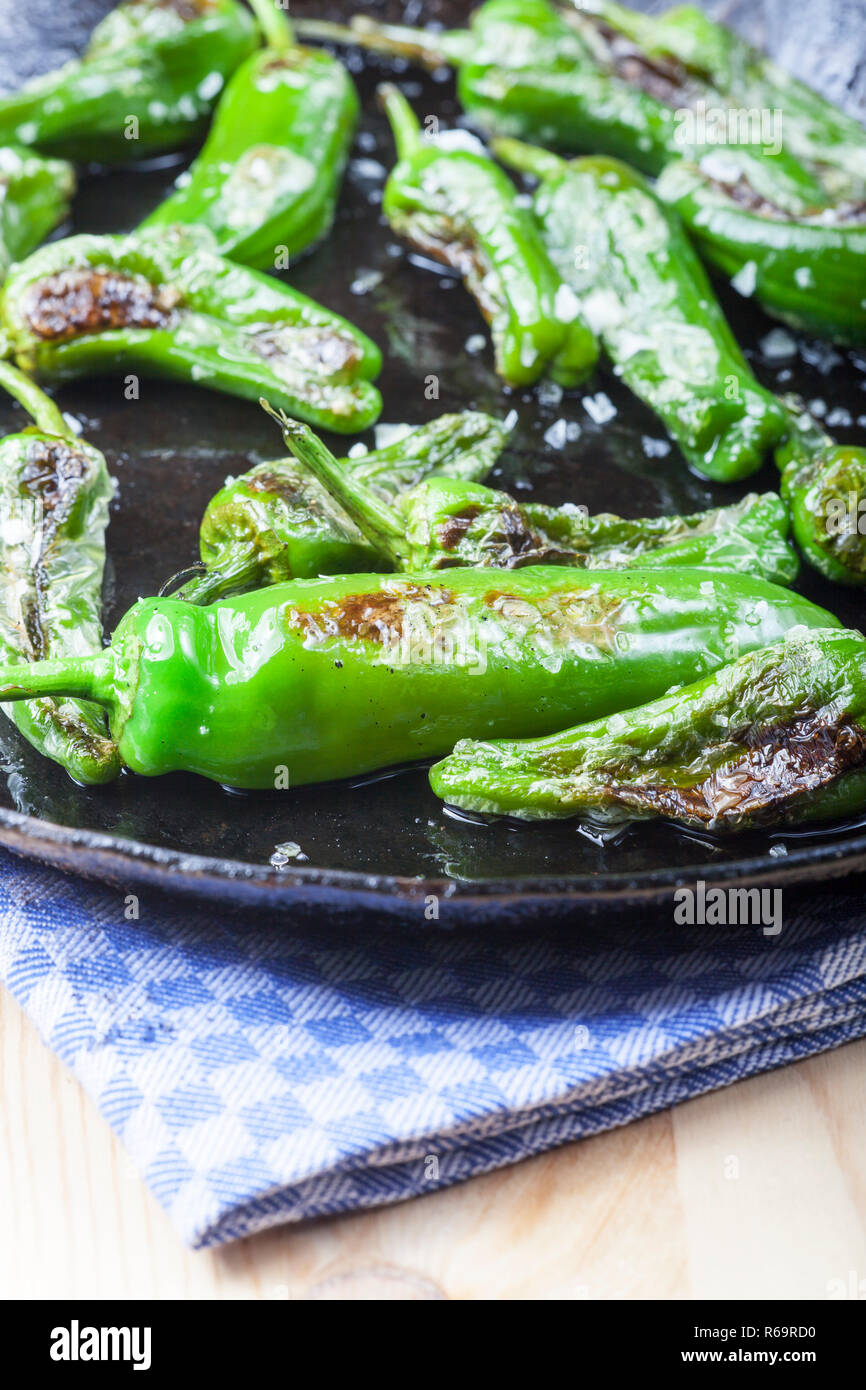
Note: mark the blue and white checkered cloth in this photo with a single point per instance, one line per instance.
(261, 1072)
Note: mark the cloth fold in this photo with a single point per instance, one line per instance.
(264, 1070)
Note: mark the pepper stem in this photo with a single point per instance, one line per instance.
(274, 23)
(431, 50)
(405, 125)
(374, 517)
(82, 677)
(527, 159)
(40, 407)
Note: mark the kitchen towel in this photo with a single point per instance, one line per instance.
(270, 1070)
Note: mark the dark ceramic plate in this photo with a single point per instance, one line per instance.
(387, 842)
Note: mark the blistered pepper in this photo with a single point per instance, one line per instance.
(166, 303)
(444, 522)
(267, 180)
(788, 221)
(455, 205)
(54, 496)
(278, 521)
(824, 485)
(324, 678)
(777, 737)
(649, 299)
(146, 83)
(805, 265)
(35, 194)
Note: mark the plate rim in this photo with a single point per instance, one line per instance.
(115, 859)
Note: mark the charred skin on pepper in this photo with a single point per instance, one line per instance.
(165, 301)
(278, 521)
(408, 663)
(54, 492)
(776, 737)
(444, 522)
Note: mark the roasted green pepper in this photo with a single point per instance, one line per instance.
(324, 678)
(164, 302)
(824, 485)
(776, 737)
(35, 194)
(279, 522)
(788, 222)
(444, 522)
(806, 267)
(54, 496)
(648, 297)
(454, 204)
(147, 82)
(267, 179)
(574, 80)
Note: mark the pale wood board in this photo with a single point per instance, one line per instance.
(758, 1190)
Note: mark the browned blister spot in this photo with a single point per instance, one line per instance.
(326, 352)
(508, 542)
(80, 301)
(779, 764)
(741, 192)
(53, 473)
(289, 487)
(380, 616)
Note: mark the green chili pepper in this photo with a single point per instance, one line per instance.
(267, 180)
(278, 522)
(789, 221)
(444, 522)
(830, 144)
(776, 737)
(454, 204)
(807, 268)
(165, 302)
(54, 496)
(824, 485)
(35, 194)
(146, 83)
(573, 80)
(324, 678)
(648, 298)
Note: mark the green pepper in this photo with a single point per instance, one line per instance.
(806, 267)
(146, 83)
(775, 738)
(444, 522)
(648, 297)
(455, 205)
(35, 194)
(278, 522)
(788, 222)
(824, 485)
(829, 143)
(572, 80)
(267, 179)
(324, 678)
(164, 302)
(54, 496)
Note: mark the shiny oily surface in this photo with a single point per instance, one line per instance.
(389, 837)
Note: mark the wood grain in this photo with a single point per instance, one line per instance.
(758, 1190)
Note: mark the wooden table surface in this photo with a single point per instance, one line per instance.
(758, 1190)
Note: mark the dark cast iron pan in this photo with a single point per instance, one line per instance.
(386, 843)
